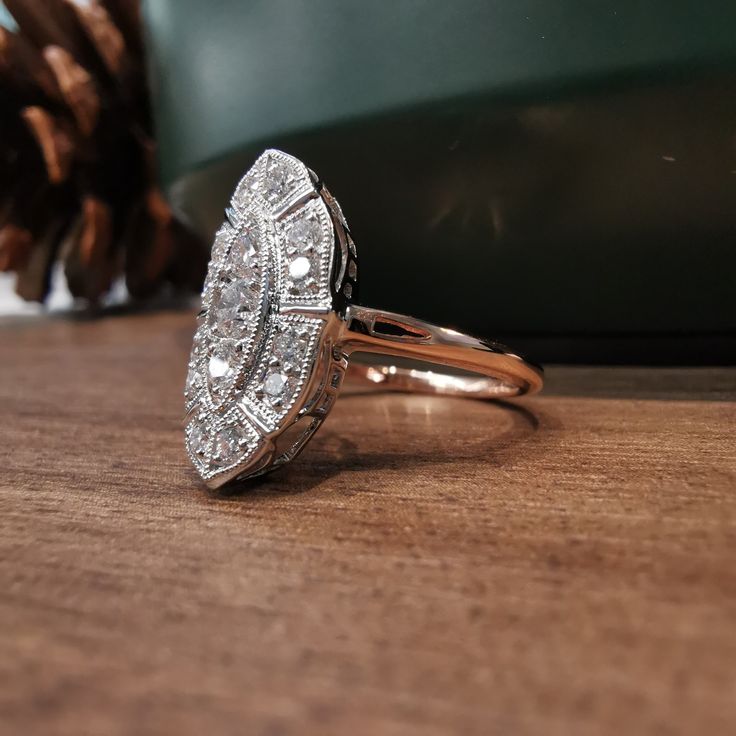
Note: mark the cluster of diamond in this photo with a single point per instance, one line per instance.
(251, 357)
(305, 262)
(286, 355)
(233, 304)
(217, 445)
(284, 368)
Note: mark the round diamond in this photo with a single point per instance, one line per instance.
(278, 181)
(194, 380)
(226, 446)
(304, 235)
(231, 304)
(299, 268)
(236, 296)
(287, 346)
(197, 438)
(248, 186)
(275, 385)
(244, 253)
(222, 365)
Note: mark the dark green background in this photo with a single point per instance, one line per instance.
(550, 169)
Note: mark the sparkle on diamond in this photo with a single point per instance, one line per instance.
(299, 268)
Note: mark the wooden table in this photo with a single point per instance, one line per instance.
(563, 566)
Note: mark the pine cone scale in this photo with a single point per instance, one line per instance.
(77, 151)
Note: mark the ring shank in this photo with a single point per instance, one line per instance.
(497, 372)
(414, 380)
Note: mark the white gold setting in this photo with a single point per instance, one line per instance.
(278, 324)
(306, 261)
(283, 370)
(256, 344)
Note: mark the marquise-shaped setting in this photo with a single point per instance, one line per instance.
(263, 371)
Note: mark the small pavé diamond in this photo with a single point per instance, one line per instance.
(244, 254)
(222, 365)
(222, 240)
(198, 341)
(251, 183)
(278, 181)
(304, 235)
(275, 385)
(194, 380)
(288, 346)
(197, 438)
(303, 287)
(226, 446)
(231, 304)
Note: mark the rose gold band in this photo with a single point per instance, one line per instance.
(496, 372)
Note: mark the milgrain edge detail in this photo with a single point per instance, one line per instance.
(287, 200)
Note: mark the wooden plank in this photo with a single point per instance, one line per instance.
(428, 566)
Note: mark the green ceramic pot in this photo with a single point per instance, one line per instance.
(555, 170)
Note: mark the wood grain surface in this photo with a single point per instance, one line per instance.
(563, 565)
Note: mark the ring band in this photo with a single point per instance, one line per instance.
(280, 321)
(502, 373)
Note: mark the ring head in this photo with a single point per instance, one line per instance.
(265, 367)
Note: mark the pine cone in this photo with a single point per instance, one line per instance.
(77, 156)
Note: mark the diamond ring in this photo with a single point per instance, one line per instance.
(279, 322)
